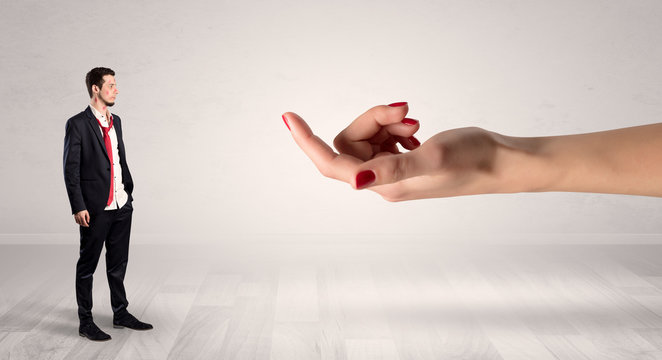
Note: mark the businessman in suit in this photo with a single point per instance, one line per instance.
(99, 187)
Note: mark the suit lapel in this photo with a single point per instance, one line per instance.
(94, 126)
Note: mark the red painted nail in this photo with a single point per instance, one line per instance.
(396, 104)
(286, 124)
(365, 178)
(414, 141)
(408, 121)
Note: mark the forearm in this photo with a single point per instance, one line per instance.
(621, 161)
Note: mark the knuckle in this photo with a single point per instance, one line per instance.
(390, 199)
(340, 143)
(378, 111)
(394, 194)
(437, 157)
(400, 168)
(337, 141)
(324, 170)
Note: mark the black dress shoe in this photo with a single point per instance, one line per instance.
(91, 331)
(130, 322)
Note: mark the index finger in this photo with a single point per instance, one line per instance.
(337, 166)
(86, 219)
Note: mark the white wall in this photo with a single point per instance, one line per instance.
(203, 84)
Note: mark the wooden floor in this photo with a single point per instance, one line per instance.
(260, 300)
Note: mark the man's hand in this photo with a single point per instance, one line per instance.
(82, 218)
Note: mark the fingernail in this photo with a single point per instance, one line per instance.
(286, 124)
(408, 121)
(365, 178)
(396, 104)
(414, 141)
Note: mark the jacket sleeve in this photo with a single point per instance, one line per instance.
(71, 164)
(126, 174)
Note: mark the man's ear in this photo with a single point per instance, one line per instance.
(95, 89)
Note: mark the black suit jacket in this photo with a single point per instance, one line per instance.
(86, 164)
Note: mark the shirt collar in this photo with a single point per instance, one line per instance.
(99, 115)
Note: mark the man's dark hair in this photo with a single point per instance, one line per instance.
(95, 77)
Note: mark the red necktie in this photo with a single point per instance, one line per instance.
(109, 150)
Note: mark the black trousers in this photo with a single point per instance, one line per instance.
(112, 228)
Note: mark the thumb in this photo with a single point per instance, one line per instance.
(391, 168)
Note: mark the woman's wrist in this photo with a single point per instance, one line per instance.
(524, 164)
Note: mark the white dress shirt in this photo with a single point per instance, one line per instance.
(120, 197)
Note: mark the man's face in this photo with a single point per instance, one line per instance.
(108, 91)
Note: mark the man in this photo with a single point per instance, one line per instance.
(99, 186)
